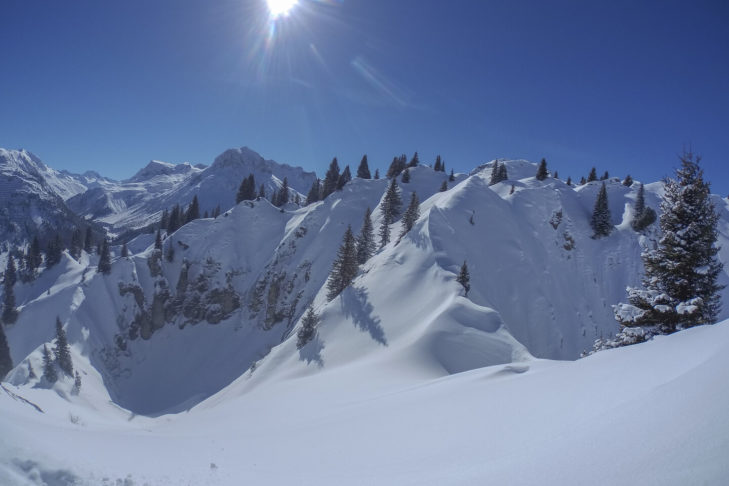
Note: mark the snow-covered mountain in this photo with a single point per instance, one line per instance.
(208, 324)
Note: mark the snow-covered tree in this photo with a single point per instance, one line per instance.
(405, 176)
(61, 351)
(105, 258)
(366, 245)
(6, 362)
(412, 213)
(10, 313)
(643, 215)
(363, 171)
(307, 331)
(680, 288)
(464, 278)
(601, 219)
(345, 265)
(49, 367)
(331, 179)
(542, 170)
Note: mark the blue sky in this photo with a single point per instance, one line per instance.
(619, 85)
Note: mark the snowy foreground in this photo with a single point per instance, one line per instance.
(654, 413)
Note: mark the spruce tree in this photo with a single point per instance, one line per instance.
(601, 219)
(605, 176)
(76, 384)
(88, 241)
(10, 313)
(452, 177)
(174, 222)
(331, 179)
(282, 196)
(556, 175)
(6, 362)
(464, 278)
(390, 208)
(542, 170)
(443, 186)
(366, 245)
(124, 250)
(397, 166)
(583, 181)
(680, 282)
(503, 175)
(307, 331)
(628, 181)
(246, 190)
(313, 195)
(164, 219)
(592, 176)
(193, 210)
(158, 241)
(494, 174)
(61, 351)
(344, 178)
(105, 258)
(262, 192)
(569, 181)
(412, 213)
(344, 268)
(363, 171)
(170, 254)
(53, 252)
(437, 165)
(49, 368)
(415, 161)
(643, 216)
(377, 173)
(76, 244)
(405, 176)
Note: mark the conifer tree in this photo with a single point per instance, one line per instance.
(443, 186)
(601, 219)
(262, 192)
(331, 179)
(583, 181)
(556, 175)
(158, 241)
(193, 210)
(680, 282)
(344, 178)
(247, 189)
(605, 176)
(436, 167)
(61, 351)
(175, 220)
(643, 216)
(206, 215)
(452, 177)
(494, 174)
(592, 176)
(390, 208)
(105, 258)
(49, 367)
(216, 211)
(170, 254)
(313, 195)
(76, 384)
(442, 166)
(412, 213)
(542, 170)
(33, 258)
(53, 252)
(397, 166)
(366, 245)
(10, 313)
(282, 196)
(307, 331)
(569, 180)
(405, 176)
(464, 278)
(164, 219)
(76, 244)
(88, 241)
(415, 161)
(377, 173)
(628, 181)
(363, 171)
(6, 362)
(344, 268)
(503, 175)
(124, 250)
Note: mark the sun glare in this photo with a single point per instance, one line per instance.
(278, 8)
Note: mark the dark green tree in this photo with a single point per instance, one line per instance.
(601, 219)
(390, 209)
(49, 367)
(164, 219)
(405, 176)
(592, 176)
(628, 181)
(415, 161)
(282, 196)
(542, 170)
(681, 287)
(363, 171)
(10, 313)
(105, 258)
(313, 195)
(397, 165)
(124, 250)
(76, 384)
(412, 213)
(452, 177)
(53, 252)
(344, 178)
(331, 179)
(158, 241)
(605, 176)
(569, 181)
(438, 164)
(262, 192)
(464, 278)
(89, 241)
(170, 254)
(193, 210)
(246, 190)
(76, 244)
(307, 331)
(366, 245)
(62, 351)
(377, 173)
(6, 362)
(443, 186)
(643, 216)
(345, 265)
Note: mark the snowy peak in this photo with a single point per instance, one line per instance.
(157, 168)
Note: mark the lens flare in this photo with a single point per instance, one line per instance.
(278, 8)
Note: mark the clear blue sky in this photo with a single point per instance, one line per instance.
(621, 85)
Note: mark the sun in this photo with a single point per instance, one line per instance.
(278, 8)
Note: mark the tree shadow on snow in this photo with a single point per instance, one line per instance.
(357, 306)
(311, 352)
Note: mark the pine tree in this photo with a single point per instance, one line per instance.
(556, 175)
(415, 161)
(643, 216)
(452, 177)
(605, 176)
(344, 178)
(6, 362)
(601, 219)
(193, 210)
(583, 181)
(88, 241)
(164, 219)
(412, 213)
(282, 196)
(49, 367)
(443, 186)
(680, 282)
(124, 250)
(313, 195)
(158, 241)
(366, 245)
(33, 258)
(76, 244)
(170, 255)
(592, 176)
(262, 192)
(344, 268)
(464, 278)
(331, 179)
(363, 171)
(569, 180)
(542, 170)
(397, 166)
(76, 384)
(377, 173)
(405, 176)
(246, 190)
(494, 174)
(437, 165)
(390, 208)
(307, 331)
(628, 181)
(175, 220)
(503, 175)
(10, 313)
(53, 252)
(62, 352)
(105, 258)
